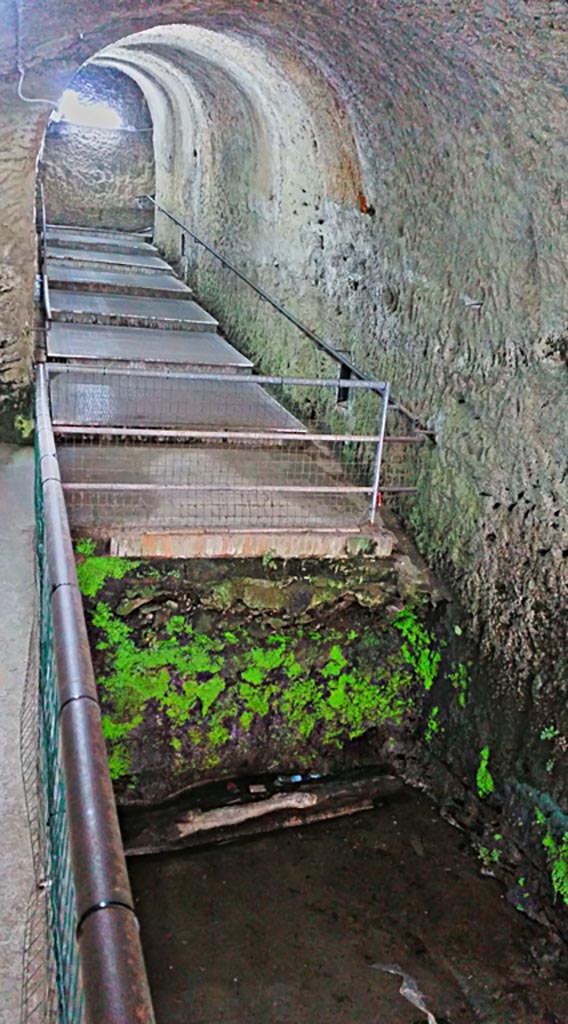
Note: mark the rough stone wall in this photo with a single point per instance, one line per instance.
(435, 259)
(401, 183)
(20, 138)
(93, 176)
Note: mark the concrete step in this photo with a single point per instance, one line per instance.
(137, 346)
(77, 239)
(231, 542)
(160, 286)
(103, 260)
(169, 402)
(100, 233)
(130, 311)
(114, 233)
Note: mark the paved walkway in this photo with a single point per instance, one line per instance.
(17, 598)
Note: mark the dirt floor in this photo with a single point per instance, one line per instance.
(290, 928)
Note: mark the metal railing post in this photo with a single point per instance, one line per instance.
(379, 454)
(43, 253)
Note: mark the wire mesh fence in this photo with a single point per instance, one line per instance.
(158, 398)
(51, 989)
(38, 1004)
(228, 284)
(39, 991)
(404, 448)
(196, 451)
(208, 485)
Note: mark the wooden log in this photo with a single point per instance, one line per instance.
(169, 829)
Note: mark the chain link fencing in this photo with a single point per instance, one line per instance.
(51, 987)
(198, 451)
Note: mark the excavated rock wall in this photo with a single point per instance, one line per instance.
(423, 234)
(93, 176)
(215, 669)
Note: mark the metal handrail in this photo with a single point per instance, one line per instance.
(320, 342)
(57, 368)
(113, 974)
(175, 434)
(43, 257)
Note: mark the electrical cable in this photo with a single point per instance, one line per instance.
(19, 67)
(31, 99)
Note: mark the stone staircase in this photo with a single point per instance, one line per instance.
(167, 447)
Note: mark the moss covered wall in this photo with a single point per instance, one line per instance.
(404, 197)
(210, 670)
(215, 668)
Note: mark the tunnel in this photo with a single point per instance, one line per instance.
(395, 176)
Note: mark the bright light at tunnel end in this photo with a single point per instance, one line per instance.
(76, 110)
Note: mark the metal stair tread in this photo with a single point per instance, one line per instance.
(56, 236)
(117, 400)
(92, 342)
(76, 279)
(130, 310)
(100, 257)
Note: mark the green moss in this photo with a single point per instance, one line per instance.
(209, 691)
(116, 735)
(269, 560)
(119, 761)
(25, 427)
(325, 681)
(85, 546)
(433, 726)
(489, 857)
(557, 855)
(484, 779)
(218, 735)
(344, 703)
(459, 680)
(263, 662)
(419, 649)
(138, 675)
(549, 733)
(114, 629)
(246, 720)
(94, 570)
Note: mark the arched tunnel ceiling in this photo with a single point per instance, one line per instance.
(278, 107)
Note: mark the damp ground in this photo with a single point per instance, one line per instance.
(289, 928)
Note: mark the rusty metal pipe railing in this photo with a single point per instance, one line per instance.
(113, 973)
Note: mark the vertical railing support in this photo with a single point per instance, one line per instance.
(379, 453)
(43, 256)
